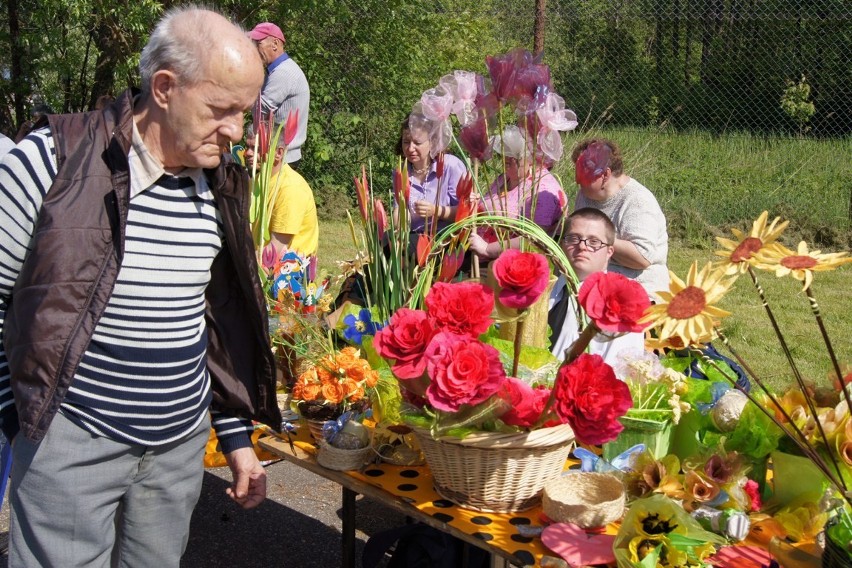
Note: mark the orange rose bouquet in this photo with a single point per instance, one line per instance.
(338, 382)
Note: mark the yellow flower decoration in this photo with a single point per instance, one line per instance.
(801, 264)
(687, 311)
(740, 253)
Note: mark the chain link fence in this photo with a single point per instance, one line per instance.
(750, 69)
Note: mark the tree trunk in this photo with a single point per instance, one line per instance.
(20, 84)
(538, 29)
(108, 55)
(659, 34)
(676, 7)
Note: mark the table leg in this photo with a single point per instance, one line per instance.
(348, 528)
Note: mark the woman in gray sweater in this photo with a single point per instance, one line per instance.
(642, 242)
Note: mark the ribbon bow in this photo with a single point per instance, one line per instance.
(590, 461)
(331, 428)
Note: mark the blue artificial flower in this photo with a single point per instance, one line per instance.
(358, 326)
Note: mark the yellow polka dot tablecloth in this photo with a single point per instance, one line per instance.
(413, 484)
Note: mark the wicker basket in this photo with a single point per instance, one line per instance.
(496, 472)
(315, 428)
(343, 460)
(586, 499)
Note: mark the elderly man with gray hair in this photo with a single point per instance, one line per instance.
(131, 310)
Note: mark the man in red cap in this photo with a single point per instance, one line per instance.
(285, 89)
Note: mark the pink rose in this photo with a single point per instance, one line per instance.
(463, 308)
(752, 489)
(522, 277)
(462, 371)
(526, 403)
(591, 399)
(404, 340)
(614, 302)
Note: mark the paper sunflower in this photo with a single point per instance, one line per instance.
(740, 253)
(801, 264)
(686, 311)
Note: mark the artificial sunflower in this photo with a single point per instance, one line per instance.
(740, 253)
(801, 264)
(686, 311)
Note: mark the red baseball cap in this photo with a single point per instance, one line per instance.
(266, 29)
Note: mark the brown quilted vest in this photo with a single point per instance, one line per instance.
(74, 260)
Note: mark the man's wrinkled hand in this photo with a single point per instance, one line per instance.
(249, 486)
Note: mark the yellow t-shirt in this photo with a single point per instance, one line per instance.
(295, 212)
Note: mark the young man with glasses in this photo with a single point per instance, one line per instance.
(588, 242)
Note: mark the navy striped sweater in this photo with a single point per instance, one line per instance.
(143, 378)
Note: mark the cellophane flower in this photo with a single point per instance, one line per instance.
(591, 399)
(462, 86)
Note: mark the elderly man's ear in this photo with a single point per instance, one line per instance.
(163, 84)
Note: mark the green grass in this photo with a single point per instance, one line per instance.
(705, 182)
(748, 327)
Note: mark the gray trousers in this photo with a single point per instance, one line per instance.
(82, 500)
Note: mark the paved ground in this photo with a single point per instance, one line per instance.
(298, 525)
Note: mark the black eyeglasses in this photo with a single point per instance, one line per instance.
(592, 243)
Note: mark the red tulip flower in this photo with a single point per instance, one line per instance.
(291, 126)
(381, 217)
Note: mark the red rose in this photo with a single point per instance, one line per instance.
(526, 403)
(614, 302)
(462, 371)
(591, 399)
(522, 277)
(404, 340)
(463, 308)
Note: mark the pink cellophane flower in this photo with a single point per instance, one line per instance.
(522, 277)
(463, 308)
(550, 144)
(474, 139)
(555, 116)
(614, 302)
(592, 163)
(462, 86)
(462, 371)
(440, 131)
(436, 104)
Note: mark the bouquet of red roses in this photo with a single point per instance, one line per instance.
(452, 371)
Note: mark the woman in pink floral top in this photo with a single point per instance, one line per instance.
(526, 189)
